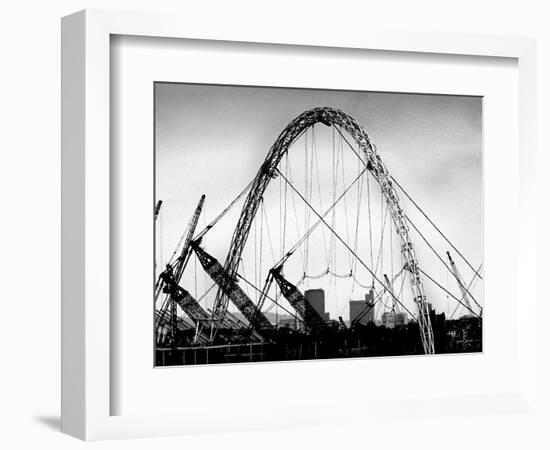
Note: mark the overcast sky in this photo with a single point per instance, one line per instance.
(212, 140)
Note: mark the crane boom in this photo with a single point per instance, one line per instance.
(190, 306)
(395, 306)
(469, 288)
(364, 312)
(370, 305)
(342, 323)
(186, 249)
(465, 294)
(187, 303)
(230, 287)
(305, 310)
(169, 279)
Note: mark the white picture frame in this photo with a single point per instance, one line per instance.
(86, 326)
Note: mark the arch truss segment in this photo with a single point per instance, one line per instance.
(371, 158)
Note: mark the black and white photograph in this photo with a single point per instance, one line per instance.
(275, 225)
(303, 224)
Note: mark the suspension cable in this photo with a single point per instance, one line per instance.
(370, 223)
(268, 297)
(335, 164)
(263, 212)
(379, 257)
(470, 286)
(356, 243)
(383, 205)
(379, 296)
(206, 293)
(280, 294)
(289, 171)
(343, 242)
(255, 272)
(261, 243)
(342, 166)
(391, 251)
(445, 290)
(441, 259)
(320, 200)
(423, 213)
(316, 224)
(306, 211)
(347, 142)
(436, 227)
(224, 212)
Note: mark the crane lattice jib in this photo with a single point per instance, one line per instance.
(461, 285)
(174, 288)
(190, 306)
(231, 289)
(330, 117)
(305, 310)
(186, 250)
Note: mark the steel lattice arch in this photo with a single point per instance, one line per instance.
(268, 171)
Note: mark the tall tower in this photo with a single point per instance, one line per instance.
(316, 298)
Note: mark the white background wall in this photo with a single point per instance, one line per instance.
(29, 225)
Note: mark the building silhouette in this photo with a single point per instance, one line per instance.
(394, 319)
(362, 311)
(316, 298)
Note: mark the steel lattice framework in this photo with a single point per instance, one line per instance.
(231, 289)
(307, 313)
(330, 117)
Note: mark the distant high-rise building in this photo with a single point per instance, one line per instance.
(316, 298)
(394, 319)
(362, 311)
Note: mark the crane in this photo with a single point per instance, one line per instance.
(395, 306)
(312, 319)
(469, 288)
(343, 325)
(466, 296)
(370, 304)
(169, 280)
(229, 286)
